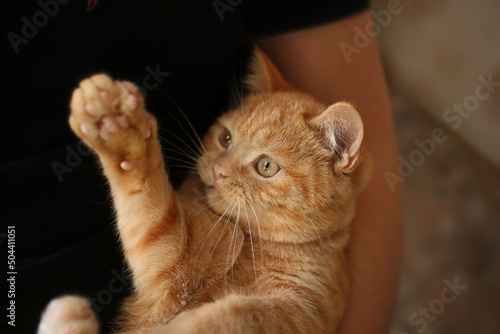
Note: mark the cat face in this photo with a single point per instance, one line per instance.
(271, 166)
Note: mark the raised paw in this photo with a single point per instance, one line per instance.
(68, 315)
(110, 117)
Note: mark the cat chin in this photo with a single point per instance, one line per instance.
(214, 198)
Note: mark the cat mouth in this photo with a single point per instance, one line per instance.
(212, 190)
(215, 190)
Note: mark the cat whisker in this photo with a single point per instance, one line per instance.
(235, 84)
(210, 232)
(251, 242)
(241, 81)
(183, 153)
(189, 163)
(317, 233)
(214, 226)
(258, 226)
(240, 92)
(234, 91)
(196, 154)
(185, 167)
(220, 194)
(206, 207)
(223, 215)
(180, 150)
(223, 229)
(198, 143)
(209, 206)
(235, 236)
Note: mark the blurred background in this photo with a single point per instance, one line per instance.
(442, 60)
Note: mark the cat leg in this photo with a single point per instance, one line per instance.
(110, 117)
(68, 315)
(275, 314)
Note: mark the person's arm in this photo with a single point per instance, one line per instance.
(312, 61)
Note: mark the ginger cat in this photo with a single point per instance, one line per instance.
(252, 243)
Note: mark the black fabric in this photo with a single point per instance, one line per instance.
(185, 55)
(263, 17)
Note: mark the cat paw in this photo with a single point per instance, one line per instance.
(110, 117)
(68, 315)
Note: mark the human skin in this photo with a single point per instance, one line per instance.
(312, 61)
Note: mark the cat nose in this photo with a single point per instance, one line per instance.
(218, 172)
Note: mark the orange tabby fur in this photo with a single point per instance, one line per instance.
(252, 254)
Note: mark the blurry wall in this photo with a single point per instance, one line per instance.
(444, 57)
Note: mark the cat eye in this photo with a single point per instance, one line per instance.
(225, 138)
(267, 167)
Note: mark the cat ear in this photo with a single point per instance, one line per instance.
(341, 126)
(264, 76)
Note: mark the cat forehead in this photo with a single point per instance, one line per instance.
(267, 129)
(274, 127)
(274, 113)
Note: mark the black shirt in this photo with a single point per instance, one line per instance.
(184, 55)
